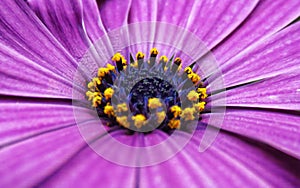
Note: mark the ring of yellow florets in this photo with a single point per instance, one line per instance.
(101, 90)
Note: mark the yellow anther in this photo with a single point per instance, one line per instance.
(203, 93)
(122, 107)
(94, 83)
(174, 124)
(188, 70)
(154, 103)
(123, 121)
(117, 57)
(154, 51)
(140, 55)
(124, 62)
(92, 95)
(165, 68)
(139, 120)
(97, 81)
(135, 64)
(109, 110)
(108, 93)
(91, 85)
(193, 95)
(89, 94)
(177, 61)
(195, 78)
(188, 114)
(199, 106)
(176, 110)
(164, 58)
(110, 67)
(102, 71)
(160, 116)
(96, 101)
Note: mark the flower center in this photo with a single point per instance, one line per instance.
(147, 94)
(149, 89)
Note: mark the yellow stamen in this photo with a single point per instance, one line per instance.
(177, 61)
(122, 107)
(188, 70)
(110, 67)
(203, 93)
(108, 93)
(139, 120)
(176, 110)
(154, 103)
(195, 78)
(109, 110)
(188, 114)
(199, 106)
(92, 95)
(123, 121)
(94, 83)
(153, 51)
(117, 57)
(174, 123)
(102, 71)
(160, 116)
(96, 101)
(97, 81)
(124, 62)
(164, 58)
(193, 95)
(140, 55)
(91, 85)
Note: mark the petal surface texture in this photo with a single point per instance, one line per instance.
(248, 163)
(49, 50)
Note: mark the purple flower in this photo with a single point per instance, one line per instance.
(256, 47)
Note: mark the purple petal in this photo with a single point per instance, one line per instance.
(212, 21)
(21, 76)
(141, 11)
(278, 92)
(114, 13)
(195, 16)
(230, 161)
(27, 163)
(276, 128)
(22, 31)
(88, 169)
(67, 20)
(22, 119)
(277, 55)
(266, 19)
(92, 20)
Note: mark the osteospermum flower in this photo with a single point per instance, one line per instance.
(65, 97)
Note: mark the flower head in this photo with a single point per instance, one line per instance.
(67, 65)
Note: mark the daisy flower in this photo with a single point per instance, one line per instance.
(131, 93)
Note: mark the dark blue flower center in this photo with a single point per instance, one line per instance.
(152, 88)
